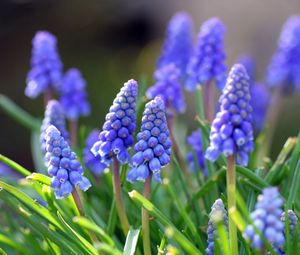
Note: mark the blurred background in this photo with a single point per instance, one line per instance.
(111, 41)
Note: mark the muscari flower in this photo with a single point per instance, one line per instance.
(46, 66)
(208, 61)
(53, 116)
(119, 126)
(92, 162)
(178, 44)
(218, 213)
(153, 147)
(284, 68)
(231, 131)
(293, 219)
(260, 95)
(63, 165)
(73, 95)
(168, 88)
(266, 218)
(197, 155)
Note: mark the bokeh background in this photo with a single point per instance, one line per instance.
(111, 41)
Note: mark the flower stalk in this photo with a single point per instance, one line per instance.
(145, 218)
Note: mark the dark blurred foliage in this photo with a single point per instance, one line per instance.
(111, 41)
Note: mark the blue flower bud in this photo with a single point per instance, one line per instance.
(46, 66)
(149, 157)
(65, 169)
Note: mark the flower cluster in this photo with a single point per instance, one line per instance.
(293, 219)
(168, 87)
(63, 165)
(208, 61)
(153, 147)
(120, 124)
(284, 68)
(178, 44)
(266, 219)
(231, 131)
(197, 155)
(53, 116)
(46, 66)
(73, 95)
(92, 162)
(218, 213)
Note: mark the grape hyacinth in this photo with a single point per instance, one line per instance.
(178, 44)
(231, 131)
(284, 68)
(153, 147)
(73, 95)
(168, 88)
(120, 124)
(218, 213)
(90, 161)
(63, 165)
(197, 155)
(46, 66)
(266, 218)
(53, 116)
(293, 219)
(208, 61)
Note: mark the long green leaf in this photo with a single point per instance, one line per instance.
(131, 241)
(40, 178)
(295, 187)
(17, 113)
(251, 176)
(14, 165)
(14, 244)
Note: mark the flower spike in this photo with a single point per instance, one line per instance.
(208, 60)
(231, 132)
(63, 165)
(46, 66)
(153, 147)
(120, 124)
(73, 95)
(53, 116)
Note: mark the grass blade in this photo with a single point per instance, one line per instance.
(131, 241)
(14, 165)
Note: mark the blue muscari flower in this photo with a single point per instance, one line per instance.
(63, 165)
(46, 66)
(284, 68)
(92, 162)
(168, 87)
(178, 43)
(231, 131)
(119, 126)
(266, 218)
(208, 60)
(73, 95)
(218, 213)
(197, 155)
(153, 147)
(293, 219)
(53, 116)
(260, 95)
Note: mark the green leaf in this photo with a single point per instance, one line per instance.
(18, 114)
(14, 165)
(251, 176)
(171, 231)
(199, 102)
(131, 241)
(40, 178)
(13, 243)
(294, 187)
(36, 152)
(87, 224)
(2, 252)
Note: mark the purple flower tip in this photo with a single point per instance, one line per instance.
(46, 66)
(119, 126)
(153, 147)
(168, 87)
(63, 165)
(208, 61)
(231, 131)
(73, 95)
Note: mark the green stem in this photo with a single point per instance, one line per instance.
(118, 196)
(145, 219)
(77, 201)
(231, 187)
(73, 132)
